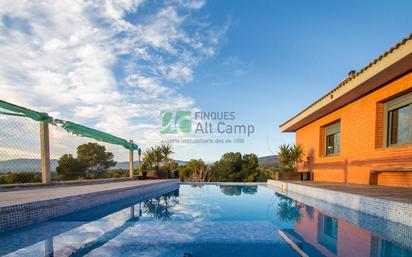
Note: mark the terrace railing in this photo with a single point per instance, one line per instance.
(35, 147)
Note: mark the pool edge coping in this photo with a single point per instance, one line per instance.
(383, 208)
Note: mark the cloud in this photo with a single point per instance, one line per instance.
(112, 65)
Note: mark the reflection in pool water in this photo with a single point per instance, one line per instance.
(238, 190)
(209, 220)
(288, 210)
(320, 234)
(160, 207)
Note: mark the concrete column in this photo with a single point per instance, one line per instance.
(132, 211)
(48, 247)
(131, 164)
(139, 154)
(45, 152)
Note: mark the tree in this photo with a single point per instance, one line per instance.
(166, 150)
(233, 167)
(250, 172)
(20, 177)
(228, 168)
(290, 156)
(71, 168)
(95, 156)
(158, 156)
(250, 161)
(148, 159)
(195, 171)
(91, 162)
(172, 166)
(297, 154)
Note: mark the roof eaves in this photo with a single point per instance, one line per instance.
(349, 78)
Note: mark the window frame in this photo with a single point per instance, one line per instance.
(333, 223)
(331, 129)
(329, 241)
(391, 105)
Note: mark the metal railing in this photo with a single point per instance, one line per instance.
(43, 151)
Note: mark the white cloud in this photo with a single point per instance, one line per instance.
(193, 4)
(113, 65)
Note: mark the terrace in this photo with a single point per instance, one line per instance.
(398, 194)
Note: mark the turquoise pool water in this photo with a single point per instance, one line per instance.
(210, 220)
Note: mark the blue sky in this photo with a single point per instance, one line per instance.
(116, 65)
(288, 54)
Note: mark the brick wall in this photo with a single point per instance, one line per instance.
(361, 145)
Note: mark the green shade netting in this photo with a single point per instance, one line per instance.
(67, 125)
(93, 133)
(21, 111)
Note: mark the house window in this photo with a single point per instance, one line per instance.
(328, 232)
(398, 114)
(330, 227)
(332, 140)
(383, 248)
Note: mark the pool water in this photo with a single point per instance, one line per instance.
(208, 220)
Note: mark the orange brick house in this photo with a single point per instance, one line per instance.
(361, 131)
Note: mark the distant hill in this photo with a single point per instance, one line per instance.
(268, 160)
(125, 165)
(18, 165)
(180, 162)
(34, 165)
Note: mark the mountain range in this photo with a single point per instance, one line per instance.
(268, 160)
(34, 165)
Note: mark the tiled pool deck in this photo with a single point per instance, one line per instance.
(23, 207)
(46, 193)
(398, 194)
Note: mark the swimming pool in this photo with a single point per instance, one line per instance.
(210, 220)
